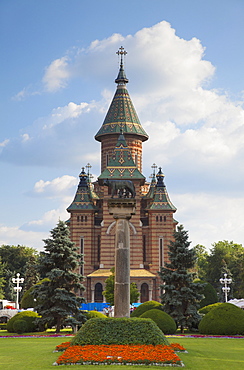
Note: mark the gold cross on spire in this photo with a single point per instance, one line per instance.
(121, 52)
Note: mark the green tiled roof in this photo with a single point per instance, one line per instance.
(121, 164)
(151, 190)
(121, 113)
(84, 196)
(161, 199)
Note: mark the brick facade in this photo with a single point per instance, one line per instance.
(93, 228)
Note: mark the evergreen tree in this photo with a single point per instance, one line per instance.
(180, 294)
(58, 302)
(109, 290)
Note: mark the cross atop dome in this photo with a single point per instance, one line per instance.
(121, 79)
(121, 52)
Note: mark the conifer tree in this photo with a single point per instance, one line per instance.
(57, 297)
(180, 295)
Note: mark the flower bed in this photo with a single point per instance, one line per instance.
(119, 354)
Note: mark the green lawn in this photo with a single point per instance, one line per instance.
(203, 353)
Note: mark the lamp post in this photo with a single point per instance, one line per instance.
(225, 288)
(17, 288)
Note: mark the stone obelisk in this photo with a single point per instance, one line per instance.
(122, 210)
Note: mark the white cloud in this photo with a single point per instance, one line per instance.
(4, 143)
(15, 236)
(55, 188)
(25, 137)
(210, 218)
(56, 74)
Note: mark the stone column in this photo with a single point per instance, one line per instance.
(122, 210)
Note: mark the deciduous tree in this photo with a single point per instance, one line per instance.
(109, 290)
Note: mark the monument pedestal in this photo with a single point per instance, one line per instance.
(122, 210)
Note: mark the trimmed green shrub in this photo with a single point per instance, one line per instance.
(226, 319)
(207, 309)
(149, 305)
(162, 319)
(210, 295)
(28, 316)
(119, 331)
(19, 326)
(94, 314)
(27, 300)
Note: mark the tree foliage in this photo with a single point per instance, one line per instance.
(58, 298)
(15, 259)
(180, 295)
(2, 279)
(31, 273)
(224, 256)
(109, 290)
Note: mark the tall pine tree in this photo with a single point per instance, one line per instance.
(180, 295)
(58, 296)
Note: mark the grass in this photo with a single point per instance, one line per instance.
(203, 353)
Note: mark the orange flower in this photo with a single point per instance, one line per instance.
(63, 346)
(177, 347)
(134, 354)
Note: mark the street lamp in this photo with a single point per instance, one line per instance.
(225, 288)
(17, 288)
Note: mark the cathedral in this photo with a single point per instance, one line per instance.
(92, 228)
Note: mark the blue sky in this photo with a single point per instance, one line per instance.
(185, 66)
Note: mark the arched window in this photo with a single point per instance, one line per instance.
(98, 293)
(144, 293)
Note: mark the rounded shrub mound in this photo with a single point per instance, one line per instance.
(119, 331)
(207, 309)
(94, 314)
(225, 319)
(149, 305)
(19, 326)
(162, 319)
(27, 316)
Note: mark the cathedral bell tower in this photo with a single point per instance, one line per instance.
(121, 116)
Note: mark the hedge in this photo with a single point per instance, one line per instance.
(162, 319)
(28, 316)
(148, 305)
(207, 309)
(94, 314)
(225, 319)
(119, 331)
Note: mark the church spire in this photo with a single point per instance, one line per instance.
(121, 113)
(161, 199)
